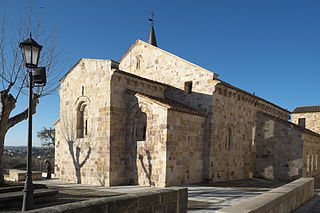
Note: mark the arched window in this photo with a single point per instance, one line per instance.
(141, 126)
(82, 120)
(139, 61)
(229, 139)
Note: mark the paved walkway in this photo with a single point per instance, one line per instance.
(313, 205)
(213, 196)
(208, 199)
(203, 197)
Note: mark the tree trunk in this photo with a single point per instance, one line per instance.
(1, 157)
(7, 105)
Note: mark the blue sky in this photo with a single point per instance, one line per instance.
(270, 47)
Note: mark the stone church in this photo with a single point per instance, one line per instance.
(155, 119)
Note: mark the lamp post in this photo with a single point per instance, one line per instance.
(31, 52)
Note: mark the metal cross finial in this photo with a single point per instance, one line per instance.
(151, 19)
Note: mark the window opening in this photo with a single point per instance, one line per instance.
(302, 122)
(229, 140)
(140, 126)
(188, 87)
(144, 133)
(82, 121)
(86, 128)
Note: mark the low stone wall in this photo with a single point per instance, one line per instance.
(283, 199)
(167, 200)
(20, 175)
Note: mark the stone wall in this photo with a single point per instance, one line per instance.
(148, 61)
(311, 158)
(86, 159)
(312, 120)
(232, 133)
(147, 161)
(227, 108)
(169, 200)
(149, 154)
(133, 161)
(284, 150)
(184, 148)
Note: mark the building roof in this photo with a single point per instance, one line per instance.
(254, 96)
(306, 109)
(293, 125)
(170, 104)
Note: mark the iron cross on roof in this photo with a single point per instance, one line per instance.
(151, 19)
(152, 36)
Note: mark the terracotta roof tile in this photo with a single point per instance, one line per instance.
(173, 105)
(307, 109)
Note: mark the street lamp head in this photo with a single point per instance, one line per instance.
(31, 52)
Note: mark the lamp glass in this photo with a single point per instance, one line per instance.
(27, 54)
(35, 55)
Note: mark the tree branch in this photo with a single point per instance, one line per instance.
(23, 115)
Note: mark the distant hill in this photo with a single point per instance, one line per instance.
(19, 147)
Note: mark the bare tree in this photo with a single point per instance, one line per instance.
(13, 75)
(47, 136)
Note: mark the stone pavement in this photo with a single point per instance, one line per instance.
(213, 196)
(312, 205)
(203, 197)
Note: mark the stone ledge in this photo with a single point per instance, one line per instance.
(282, 199)
(172, 199)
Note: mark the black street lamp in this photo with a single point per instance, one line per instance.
(31, 52)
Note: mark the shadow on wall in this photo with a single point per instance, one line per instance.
(148, 172)
(124, 158)
(279, 149)
(140, 127)
(138, 143)
(67, 130)
(76, 159)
